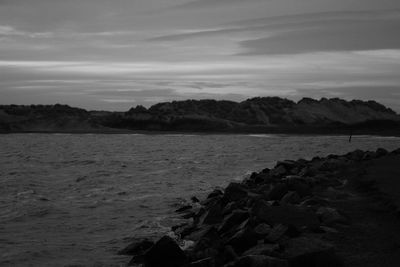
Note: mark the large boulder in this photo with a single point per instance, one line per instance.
(258, 206)
(369, 155)
(381, 152)
(225, 255)
(197, 232)
(209, 239)
(165, 253)
(277, 192)
(356, 155)
(396, 151)
(290, 197)
(297, 216)
(259, 261)
(234, 219)
(215, 193)
(262, 230)
(211, 201)
(329, 216)
(263, 249)
(185, 230)
(307, 251)
(276, 233)
(315, 201)
(288, 164)
(234, 192)
(263, 189)
(333, 164)
(278, 171)
(298, 185)
(207, 262)
(243, 240)
(262, 178)
(231, 206)
(213, 215)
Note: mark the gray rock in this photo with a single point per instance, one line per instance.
(276, 233)
(299, 185)
(234, 192)
(213, 215)
(263, 178)
(396, 151)
(307, 251)
(381, 152)
(166, 253)
(260, 261)
(288, 164)
(215, 193)
(369, 155)
(262, 249)
(243, 240)
(230, 207)
(277, 192)
(234, 219)
(356, 155)
(207, 262)
(278, 171)
(330, 216)
(209, 239)
(298, 216)
(333, 193)
(197, 233)
(290, 198)
(262, 229)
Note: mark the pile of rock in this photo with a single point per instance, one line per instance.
(277, 217)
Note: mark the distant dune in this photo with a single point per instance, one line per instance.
(255, 115)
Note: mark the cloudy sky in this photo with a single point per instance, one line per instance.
(114, 54)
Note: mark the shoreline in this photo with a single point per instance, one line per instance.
(299, 213)
(147, 132)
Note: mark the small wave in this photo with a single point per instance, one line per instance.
(260, 135)
(23, 215)
(144, 197)
(180, 135)
(153, 225)
(385, 137)
(243, 176)
(130, 134)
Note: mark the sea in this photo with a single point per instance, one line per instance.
(76, 199)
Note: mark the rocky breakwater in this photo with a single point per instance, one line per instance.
(285, 216)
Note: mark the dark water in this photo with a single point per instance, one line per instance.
(78, 199)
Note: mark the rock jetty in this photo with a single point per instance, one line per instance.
(303, 213)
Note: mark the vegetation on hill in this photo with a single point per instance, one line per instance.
(260, 114)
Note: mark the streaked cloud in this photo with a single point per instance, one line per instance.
(114, 54)
(307, 33)
(341, 36)
(213, 3)
(6, 30)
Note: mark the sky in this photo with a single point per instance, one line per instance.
(115, 54)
